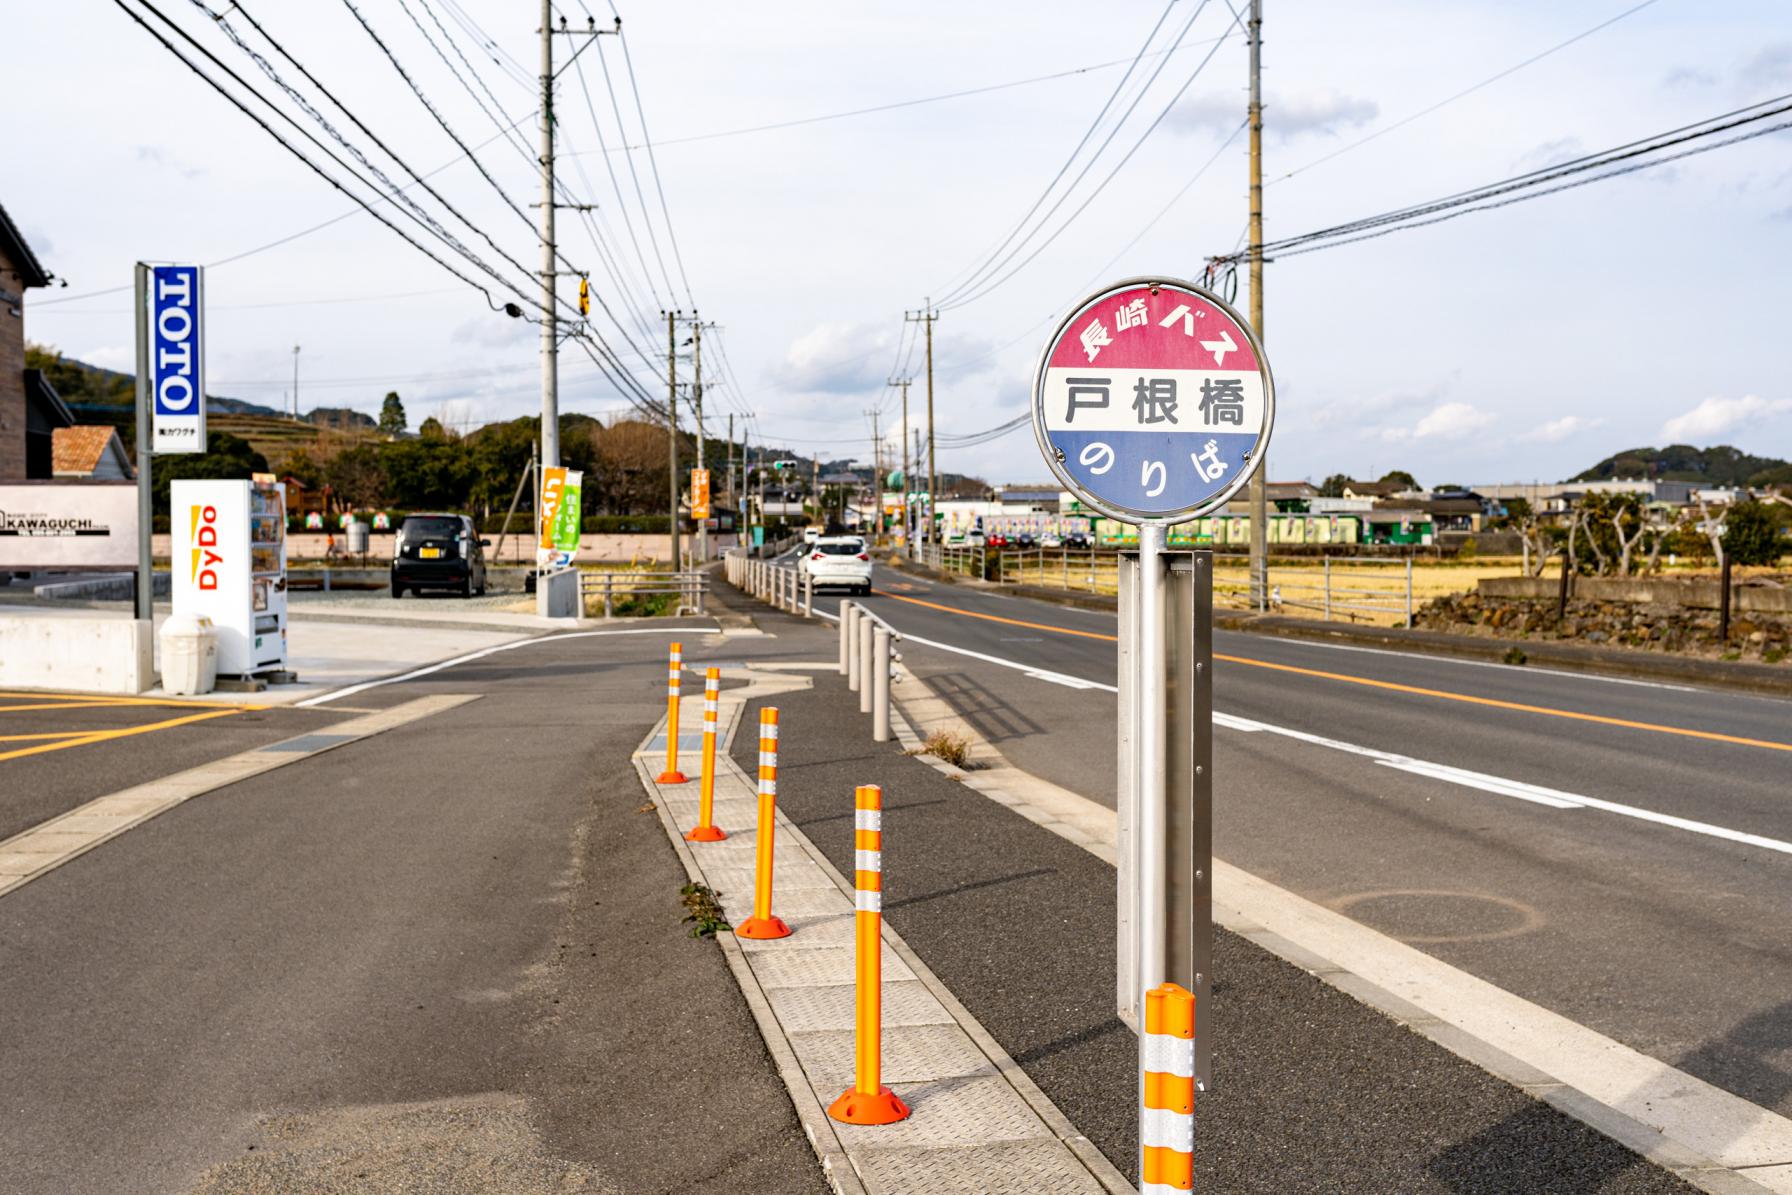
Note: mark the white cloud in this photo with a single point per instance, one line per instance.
(1716, 417)
(838, 359)
(495, 330)
(1771, 65)
(1551, 153)
(1326, 113)
(1557, 430)
(1446, 421)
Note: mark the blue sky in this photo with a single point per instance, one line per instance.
(1518, 344)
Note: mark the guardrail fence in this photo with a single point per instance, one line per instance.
(690, 586)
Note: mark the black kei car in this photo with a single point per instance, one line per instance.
(438, 551)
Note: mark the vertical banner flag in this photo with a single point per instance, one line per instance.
(547, 511)
(699, 493)
(567, 519)
(172, 327)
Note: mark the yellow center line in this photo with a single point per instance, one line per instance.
(99, 699)
(106, 735)
(57, 734)
(62, 705)
(1391, 686)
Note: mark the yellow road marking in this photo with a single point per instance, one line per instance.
(172, 702)
(58, 734)
(1442, 694)
(62, 705)
(125, 732)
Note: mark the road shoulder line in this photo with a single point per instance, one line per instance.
(48, 845)
(785, 982)
(1712, 1139)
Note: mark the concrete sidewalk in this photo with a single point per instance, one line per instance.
(980, 1126)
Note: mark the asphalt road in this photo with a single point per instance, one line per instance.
(447, 958)
(1314, 1091)
(1668, 938)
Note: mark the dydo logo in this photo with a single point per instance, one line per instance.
(202, 533)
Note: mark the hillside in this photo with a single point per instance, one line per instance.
(1718, 465)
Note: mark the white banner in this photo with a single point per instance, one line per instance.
(77, 524)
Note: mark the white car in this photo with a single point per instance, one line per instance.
(810, 535)
(839, 560)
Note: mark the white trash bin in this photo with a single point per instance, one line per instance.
(189, 655)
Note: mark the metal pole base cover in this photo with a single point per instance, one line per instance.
(762, 927)
(855, 1107)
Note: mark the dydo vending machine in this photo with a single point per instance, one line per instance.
(229, 565)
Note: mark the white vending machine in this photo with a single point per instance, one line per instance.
(229, 565)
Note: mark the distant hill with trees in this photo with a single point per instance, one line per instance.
(1718, 465)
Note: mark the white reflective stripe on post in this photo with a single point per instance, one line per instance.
(869, 902)
(711, 706)
(769, 731)
(868, 819)
(1160, 1128)
(868, 860)
(1167, 1054)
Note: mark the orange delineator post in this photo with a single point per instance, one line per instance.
(672, 775)
(1167, 1121)
(868, 1101)
(706, 829)
(762, 924)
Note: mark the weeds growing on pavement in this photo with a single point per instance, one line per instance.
(1514, 655)
(705, 910)
(955, 749)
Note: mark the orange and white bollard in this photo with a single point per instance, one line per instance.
(868, 1101)
(1167, 1120)
(672, 775)
(706, 829)
(762, 924)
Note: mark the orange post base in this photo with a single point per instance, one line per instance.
(855, 1107)
(705, 834)
(672, 778)
(762, 927)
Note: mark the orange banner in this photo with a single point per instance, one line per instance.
(553, 492)
(699, 493)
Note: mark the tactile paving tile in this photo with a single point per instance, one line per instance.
(799, 902)
(737, 850)
(825, 930)
(826, 966)
(998, 1168)
(977, 1110)
(808, 1010)
(740, 879)
(911, 1054)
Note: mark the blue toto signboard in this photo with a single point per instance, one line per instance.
(176, 358)
(1153, 401)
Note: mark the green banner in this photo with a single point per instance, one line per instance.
(566, 521)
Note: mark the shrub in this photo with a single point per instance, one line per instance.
(955, 749)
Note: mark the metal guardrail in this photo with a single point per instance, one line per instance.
(689, 585)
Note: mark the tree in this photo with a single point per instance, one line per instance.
(1751, 534)
(432, 429)
(1333, 486)
(225, 456)
(392, 421)
(357, 477)
(1405, 479)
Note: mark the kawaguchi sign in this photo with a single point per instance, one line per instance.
(84, 524)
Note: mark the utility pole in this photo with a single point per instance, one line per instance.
(672, 423)
(1259, 490)
(877, 492)
(927, 316)
(908, 539)
(697, 405)
(731, 499)
(295, 381)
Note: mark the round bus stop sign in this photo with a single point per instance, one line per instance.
(1153, 401)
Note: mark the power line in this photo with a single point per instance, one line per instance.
(991, 285)
(652, 162)
(284, 143)
(616, 186)
(1534, 184)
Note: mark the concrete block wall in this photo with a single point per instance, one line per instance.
(89, 655)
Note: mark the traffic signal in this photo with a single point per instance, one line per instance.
(584, 296)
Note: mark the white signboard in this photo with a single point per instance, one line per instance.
(82, 524)
(173, 328)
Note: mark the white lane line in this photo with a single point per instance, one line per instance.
(351, 690)
(1552, 798)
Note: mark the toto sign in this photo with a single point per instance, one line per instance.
(175, 317)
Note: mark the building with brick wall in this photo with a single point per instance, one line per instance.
(30, 410)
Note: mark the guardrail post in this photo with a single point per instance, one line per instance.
(868, 1101)
(880, 685)
(1409, 592)
(867, 682)
(853, 615)
(1328, 589)
(706, 829)
(609, 595)
(672, 775)
(762, 924)
(1167, 1122)
(845, 638)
